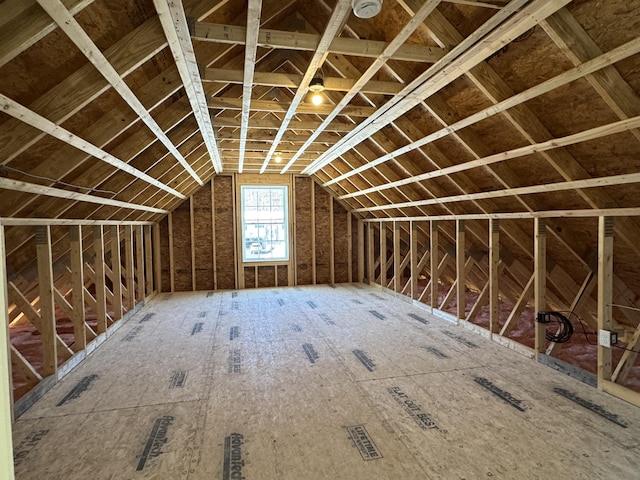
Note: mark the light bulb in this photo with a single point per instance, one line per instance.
(278, 157)
(316, 99)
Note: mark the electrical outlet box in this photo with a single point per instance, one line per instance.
(607, 338)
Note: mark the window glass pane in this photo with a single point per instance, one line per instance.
(264, 224)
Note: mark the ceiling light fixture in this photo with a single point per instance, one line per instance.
(316, 86)
(278, 157)
(366, 8)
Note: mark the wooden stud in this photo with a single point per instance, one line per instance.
(157, 258)
(139, 270)
(540, 279)
(116, 268)
(349, 248)
(192, 227)
(171, 256)
(98, 266)
(148, 257)
(47, 307)
(433, 242)
(628, 358)
(413, 250)
(460, 271)
(383, 255)
(397, 271)
(605, 294)
(6, 397)
(371, 268)
(494, 286)
(361, 241)
(128, 265)
(332, 253)
(77, 287)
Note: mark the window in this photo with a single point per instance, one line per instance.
(265, 235)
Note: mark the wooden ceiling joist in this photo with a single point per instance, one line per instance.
(174, 23)
(271, 124)
(292, 81)
(207, 32)
(306, 108)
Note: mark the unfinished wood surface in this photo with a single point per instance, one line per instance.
(540, 281)
(77, 284)
(140, 263)
(371, 412)
(47, 307)
(6, 397)
(605, 287)
(460, 269)
(130, 282)
(99, 282)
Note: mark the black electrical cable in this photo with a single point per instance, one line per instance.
(565, 328)
(586, 334)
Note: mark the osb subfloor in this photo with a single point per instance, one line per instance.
(317, 383)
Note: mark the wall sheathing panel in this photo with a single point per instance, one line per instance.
(203, 231)
(322, 235)
(182, 248)
(225, 264)
(266, 276)
(303, 233)
(211, 214)
(249, 277)
(283, 275)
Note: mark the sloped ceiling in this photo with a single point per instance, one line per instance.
(430, 108)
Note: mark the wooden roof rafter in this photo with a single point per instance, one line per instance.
(174, 24)
(251, 46)
(66, 21)
(24, 114)
(624, 51)
(506, 25)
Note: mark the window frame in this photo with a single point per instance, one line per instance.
(285, 225)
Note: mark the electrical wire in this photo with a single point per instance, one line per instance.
(6, 168)
(586, 334)
(565, 328)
